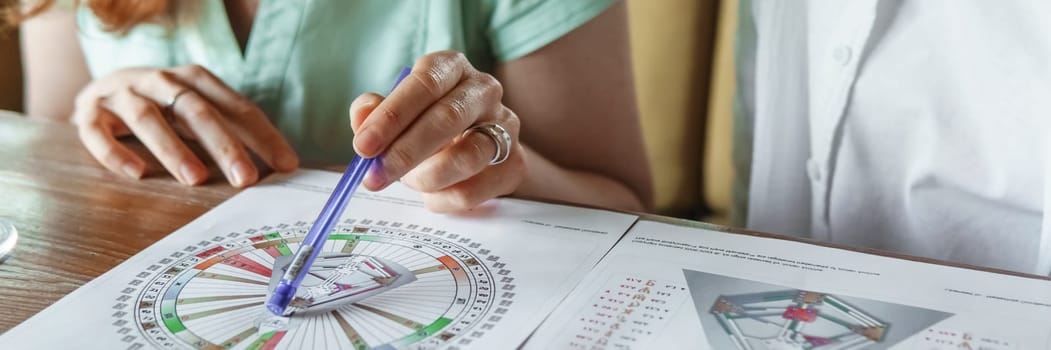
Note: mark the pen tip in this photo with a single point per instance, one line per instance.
(279, 300)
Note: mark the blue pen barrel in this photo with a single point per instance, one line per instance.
(335, 206)
(314, 242)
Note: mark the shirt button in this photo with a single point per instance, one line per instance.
(813, 169)
(841, 54)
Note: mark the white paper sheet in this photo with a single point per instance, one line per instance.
(484, 280)
(673, 287)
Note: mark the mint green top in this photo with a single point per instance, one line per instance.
(305, 61)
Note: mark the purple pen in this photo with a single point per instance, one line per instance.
(318, 234)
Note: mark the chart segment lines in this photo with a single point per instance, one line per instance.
(376, 285)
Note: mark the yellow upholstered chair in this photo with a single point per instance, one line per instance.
(682, 52)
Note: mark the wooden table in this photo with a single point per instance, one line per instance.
(76, 220)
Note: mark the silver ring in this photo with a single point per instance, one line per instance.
(171, 101)
(169, 113)
(501, 138)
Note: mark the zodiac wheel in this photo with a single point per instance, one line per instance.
(375, 285)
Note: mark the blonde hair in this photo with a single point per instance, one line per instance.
(116, 15)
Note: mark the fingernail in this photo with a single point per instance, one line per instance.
(287, 162)
(187, 174)
(132, 170)
(367, 143)
(358, 108)
(240, 173)
(375, 180)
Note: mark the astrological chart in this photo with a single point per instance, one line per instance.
(625, 312)
(376, 284)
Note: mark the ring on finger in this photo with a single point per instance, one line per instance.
(501, 138)
(168, 110)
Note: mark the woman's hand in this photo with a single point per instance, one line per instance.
(419, 133)
(162, 107)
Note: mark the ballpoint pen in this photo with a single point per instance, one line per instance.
(318, 234)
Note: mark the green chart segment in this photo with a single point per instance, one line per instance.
(212, 297)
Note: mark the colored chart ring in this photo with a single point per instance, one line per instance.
(438, 291)
(8, 237)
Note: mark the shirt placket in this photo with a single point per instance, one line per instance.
(269, 50)
(209, 40)
(836, 70)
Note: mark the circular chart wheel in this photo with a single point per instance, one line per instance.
(402, 286)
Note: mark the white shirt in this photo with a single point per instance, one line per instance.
(915, 126)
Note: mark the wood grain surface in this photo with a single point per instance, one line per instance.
(75, 219)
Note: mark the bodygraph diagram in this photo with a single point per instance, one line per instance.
(748, 315)
(806, 320)
(376, 285)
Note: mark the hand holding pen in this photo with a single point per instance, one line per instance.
(447, 125)
(420, 131)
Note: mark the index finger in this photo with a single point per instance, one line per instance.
(433, 76)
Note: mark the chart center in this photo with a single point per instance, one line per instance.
(338, 279)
